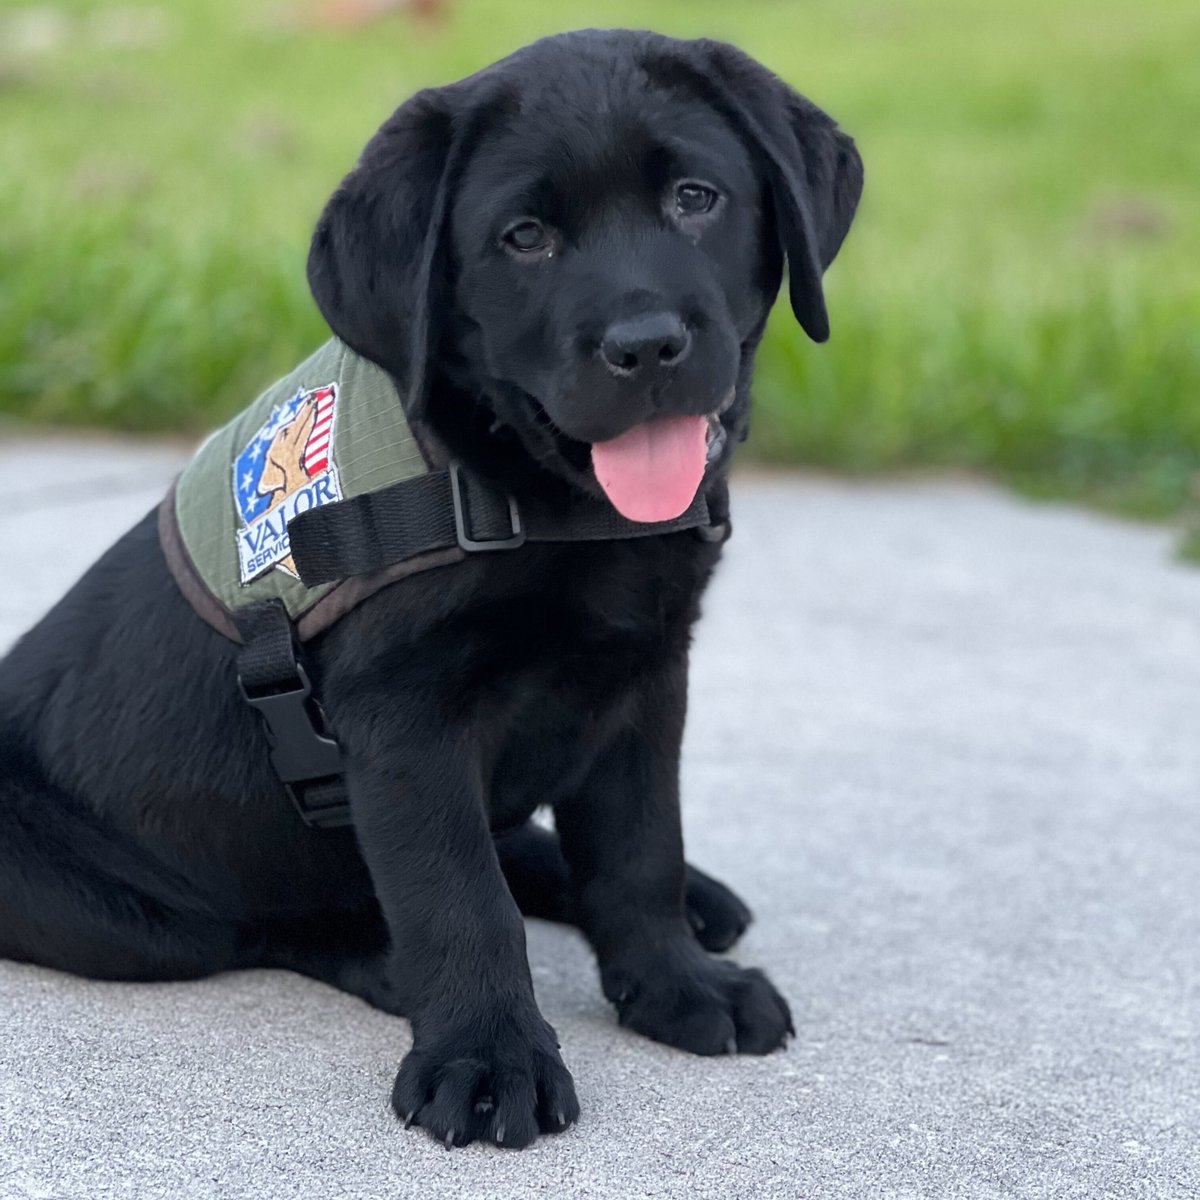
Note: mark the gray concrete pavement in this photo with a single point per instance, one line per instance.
(945, 742)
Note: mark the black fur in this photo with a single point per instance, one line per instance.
(142, 832)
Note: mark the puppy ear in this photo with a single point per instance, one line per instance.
(373, 263)
(813, 168)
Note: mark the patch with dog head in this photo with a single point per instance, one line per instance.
(285, 469)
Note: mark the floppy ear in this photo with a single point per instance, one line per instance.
(373, 263)
(813, 168)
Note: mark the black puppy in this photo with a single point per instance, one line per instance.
(581, 241)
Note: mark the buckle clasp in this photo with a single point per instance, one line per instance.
(462, 518)
(302, 752)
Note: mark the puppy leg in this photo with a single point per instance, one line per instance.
(371, 978)
(76, 898)
(535, 871)
(621, 836)
(347, 949)
(533, 865)
(484, 1063)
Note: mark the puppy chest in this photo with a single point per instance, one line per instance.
(544, 755)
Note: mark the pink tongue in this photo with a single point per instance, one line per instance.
(651, 472)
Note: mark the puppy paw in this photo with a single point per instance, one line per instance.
(703, 1005)
(717, 915)
(507, 1088)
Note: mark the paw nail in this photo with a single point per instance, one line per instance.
(731, 1046)
(560, 1118)
(408, 1120)
(499, 1133)
(450, 1140)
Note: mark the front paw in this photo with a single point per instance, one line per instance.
(701, 1004)
(496, 1081)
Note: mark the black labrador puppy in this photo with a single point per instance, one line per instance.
(582, 240)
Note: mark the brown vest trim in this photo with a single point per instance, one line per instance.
(185, 574)
(339, 600)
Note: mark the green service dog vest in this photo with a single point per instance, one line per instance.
(331, 430)
(312, 499)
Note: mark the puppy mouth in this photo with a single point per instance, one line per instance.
(657, 467)
(653, 471)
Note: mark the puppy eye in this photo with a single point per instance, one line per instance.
(692, 199)
(526, 236)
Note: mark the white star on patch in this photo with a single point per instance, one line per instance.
(247, 480)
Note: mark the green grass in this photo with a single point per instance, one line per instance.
(1020, 295)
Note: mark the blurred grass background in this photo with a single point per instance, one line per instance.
(1020, 294)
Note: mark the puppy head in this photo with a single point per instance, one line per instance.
(584, 241)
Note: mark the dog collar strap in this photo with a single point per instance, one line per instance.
(456, 508)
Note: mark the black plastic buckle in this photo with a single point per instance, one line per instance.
(302, 753)
(462, 520)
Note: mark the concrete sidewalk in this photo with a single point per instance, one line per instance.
(962, 737)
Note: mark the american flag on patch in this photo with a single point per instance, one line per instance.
(316, 449)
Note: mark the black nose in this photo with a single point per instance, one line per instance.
(645, 345)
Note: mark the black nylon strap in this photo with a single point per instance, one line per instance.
(267, 660)
(448, 508)
(595, 521)
(322, 803)
(373, 530)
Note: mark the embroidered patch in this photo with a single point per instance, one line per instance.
(286, 469)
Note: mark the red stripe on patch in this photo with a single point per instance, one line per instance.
(316, 449)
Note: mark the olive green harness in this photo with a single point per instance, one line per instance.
(332, 429)
(312, 499)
